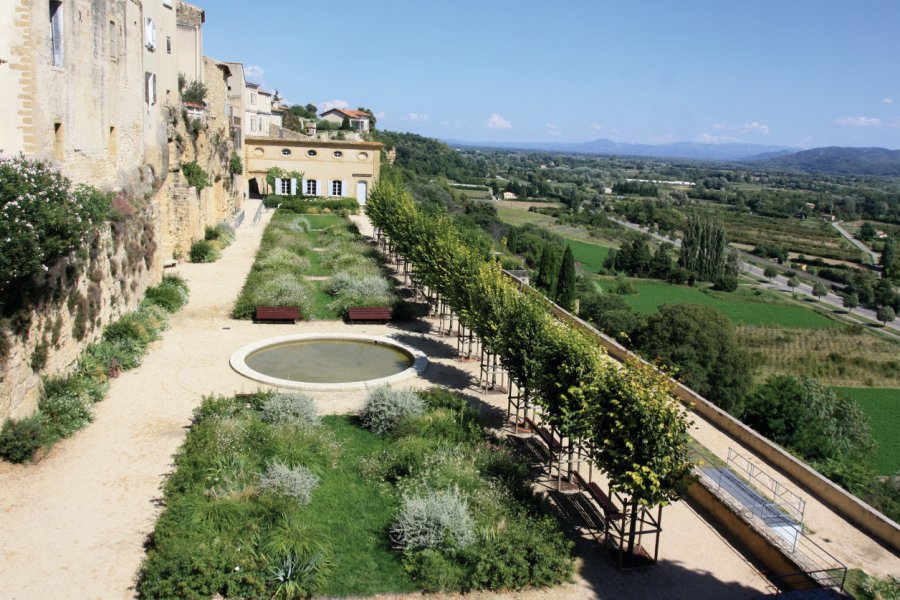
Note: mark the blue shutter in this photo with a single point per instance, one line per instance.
(293, 187)
(278, 186)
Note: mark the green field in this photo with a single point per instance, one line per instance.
(515, 216)
(591, 256)
(742, 306)
(883, 407)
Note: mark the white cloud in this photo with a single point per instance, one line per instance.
(887, 101)
(380, 114)
(417, 117)
(755, 126)
(329, 104)
(254, 74)
(495, 121)
(722, 127)
(706, 138)
(860, 122)
(597, 126)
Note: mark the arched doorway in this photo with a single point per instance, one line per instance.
(254, 188)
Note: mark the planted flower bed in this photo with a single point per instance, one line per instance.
(267, 500)
(317, 263)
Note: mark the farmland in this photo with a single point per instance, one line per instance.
(846, 356)
(882, 405)
(591, 256)
(741, 307)
(810, 237)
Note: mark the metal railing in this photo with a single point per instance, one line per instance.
(790, 502)
(239, 218)
(258, 215)
(775, 520)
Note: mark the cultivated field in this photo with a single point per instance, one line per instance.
(591, 256)
(810, 237)
(517, 216)
(839, 356)
(743, 306)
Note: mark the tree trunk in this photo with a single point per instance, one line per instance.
(632, 530)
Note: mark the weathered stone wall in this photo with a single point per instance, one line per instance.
(84, 294)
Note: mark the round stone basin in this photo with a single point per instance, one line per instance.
(328, 362)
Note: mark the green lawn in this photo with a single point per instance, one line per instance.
(591, 256)
(742, 306)
(883, 407)
(356, 514)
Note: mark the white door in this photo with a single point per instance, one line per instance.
(361, 189)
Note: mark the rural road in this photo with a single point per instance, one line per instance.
(862, 247)
(778, 283)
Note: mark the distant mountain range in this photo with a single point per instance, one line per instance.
(845, 161)
(689, 150)
(834, 159)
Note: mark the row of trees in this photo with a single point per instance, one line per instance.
(625, 415)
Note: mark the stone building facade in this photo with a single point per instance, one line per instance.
(92, 86)
(330, 168)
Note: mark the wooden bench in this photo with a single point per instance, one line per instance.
(277, 314)
(369, 314)
(545, 434)
(609, 508)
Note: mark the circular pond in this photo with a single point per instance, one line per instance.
(328, 362)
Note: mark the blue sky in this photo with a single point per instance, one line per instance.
(792, 72)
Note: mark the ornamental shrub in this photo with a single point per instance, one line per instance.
(66, 413)
(170, 294)
(297, 483)
(291, 407)
(195, 93)
(437, 519)
(195, 175)
(43, 217)
(20, 439)
(202, 251)
(385, 408)
(235, 164)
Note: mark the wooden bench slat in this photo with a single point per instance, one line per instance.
(277, 313)
(367, 313)
(545, 435)
(609, 508)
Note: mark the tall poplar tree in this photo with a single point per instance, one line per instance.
(565, 288)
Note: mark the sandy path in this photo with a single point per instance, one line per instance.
(73, 525)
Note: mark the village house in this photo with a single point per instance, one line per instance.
(258, 111)
(359, 119)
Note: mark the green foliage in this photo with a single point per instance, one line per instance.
(313, 206)
(885, 314)
(700, 342)
(703, 248)
(565, 290)
(195, 175)
(195, 92)
(235, 164)
(203, 251)
(770, 272)
(43, 218)
(385, 408)
(170, 294)
(611, 314)
(20, 439)
(814, 422)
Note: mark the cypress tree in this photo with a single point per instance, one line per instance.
(545, 263)
(565, 292)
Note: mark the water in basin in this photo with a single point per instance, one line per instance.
(329, 361)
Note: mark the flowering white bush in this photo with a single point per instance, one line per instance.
(437, 519)
(43, 217)
(385, 408)
(291, 407)
(297, 483)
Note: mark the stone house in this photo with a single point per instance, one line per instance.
(330, 168)
(359, 120)
(259, 111)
